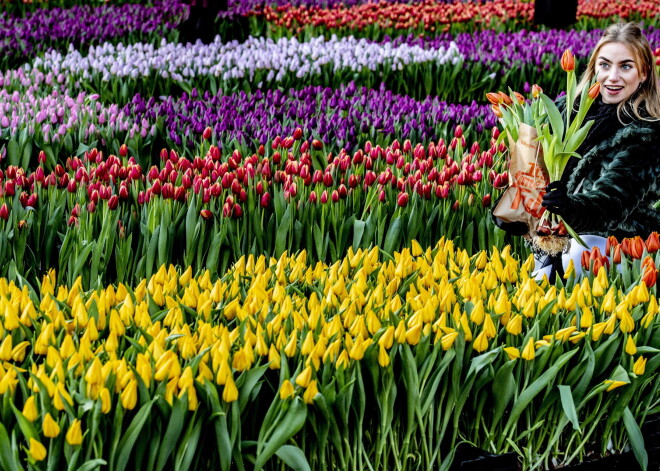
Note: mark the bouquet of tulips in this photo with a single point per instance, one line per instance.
(558, 134)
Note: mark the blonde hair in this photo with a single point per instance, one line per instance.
(648, 93)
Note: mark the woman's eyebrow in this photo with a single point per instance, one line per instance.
(622, 62)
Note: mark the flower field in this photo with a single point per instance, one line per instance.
(277, 251)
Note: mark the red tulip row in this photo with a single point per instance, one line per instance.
(428, 13)
(291, 163)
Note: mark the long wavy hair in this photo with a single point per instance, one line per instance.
(644, 103)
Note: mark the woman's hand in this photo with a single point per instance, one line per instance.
(556, 198)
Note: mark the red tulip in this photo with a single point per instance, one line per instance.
(113, 202)
(402, 199)
(237, 212)
(123, 150)
(206, 135)
(4, 211)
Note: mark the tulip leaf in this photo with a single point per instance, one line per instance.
(282, 231)
(568, 405)
(288, 426)
(392, 237)
(358, 231)
(131, 435)
(636, 439)
(529, 393)
(293, 457)
(554, 116)
(13, 152)
(246, 382)
(92, 465)
(504, 387)
(174, 427)
(7, 458)
(186, 452)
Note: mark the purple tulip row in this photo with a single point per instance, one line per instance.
(523, 47)
(345, 116)
(21, 37)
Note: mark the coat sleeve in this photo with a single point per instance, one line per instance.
(628, 172)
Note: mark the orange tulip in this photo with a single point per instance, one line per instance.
(650, 277)
(637, 247)
(536, 91)
(519, 98)
(653, 242)
(616, 258)
(612, 242)
(567, 61)
(505, 98)
(496, 110)
(494, 98)
(594, 91)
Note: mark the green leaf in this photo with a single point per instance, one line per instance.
(283, 231)
(131, 435)
(293, 457)
(291, 423)
(7, 459)
(28, 429)
(13, 152)
(536, 387)
(92, 465)
(173, 431)
(392, 237)
(358, 230)
(568, 405)
(554, 116)
(636, 439)
(504, 387)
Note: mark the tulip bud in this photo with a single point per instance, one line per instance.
(237, 212)
(113, 202)
(206, 214)
(206, 135)
(536, 91)
(493, 98)
(4, 211)
(402, 199)
(567, 61)
(50, 428)
(458, 132)
(74, 434)
(486, 200)
(594, 91)
(37, 450)
(265, 200)
(123, 150)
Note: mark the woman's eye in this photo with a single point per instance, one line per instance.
(626, 67)
(604, 65)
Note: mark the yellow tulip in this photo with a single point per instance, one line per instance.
(512, 352)
(564, 334)
(106, 402)
(37, 450)
(627, 323)
(30, 409)
(631, 348)
(414, 333)
(304, 377)
(481, 342)
(529, 352)
(640, 366)
(286, 390)
(489, 327)
(50, 427)
(74, 434)
(129, 395)
(311, 392)
(514, 326)
(387, 339)
(614, 384)
(61, 395)
(597, 330)
(230, 392)
(448, 340)
(383, 357)
(478, 315)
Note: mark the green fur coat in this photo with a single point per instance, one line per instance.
(613, 187)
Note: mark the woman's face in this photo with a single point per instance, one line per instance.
(617, 72)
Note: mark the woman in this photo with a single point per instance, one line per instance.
(611, 190)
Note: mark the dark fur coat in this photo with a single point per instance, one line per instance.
(613, 187)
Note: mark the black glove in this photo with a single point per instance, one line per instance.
(556, 199)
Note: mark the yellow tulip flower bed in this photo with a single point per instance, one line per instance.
(376, 361)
